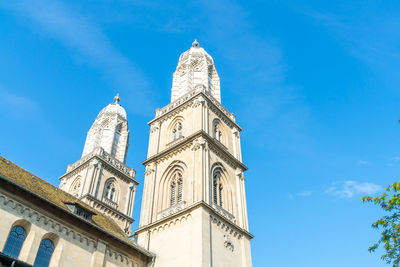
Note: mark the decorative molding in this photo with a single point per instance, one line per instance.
(228, 243)
(170, 223)
(225, 227)
(226, 156)
(171, 210)
(221, 211)
(46, 222)
(199, 142)
(189, 100)
(119, 257)
(199, 100)
(95, 159)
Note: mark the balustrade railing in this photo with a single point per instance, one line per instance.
(174, 209)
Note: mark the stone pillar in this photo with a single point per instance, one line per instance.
(98, 256)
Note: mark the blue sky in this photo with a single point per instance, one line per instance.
(315, 86)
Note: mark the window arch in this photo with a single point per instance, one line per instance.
(15, 241)
(177, 130)
(44, 253)
(110, 190)
(176, 188)
(75, 187)
(218, 188)
(217, 132)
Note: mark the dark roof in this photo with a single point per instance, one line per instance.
(34, 185)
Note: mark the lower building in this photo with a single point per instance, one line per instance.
(42, 225)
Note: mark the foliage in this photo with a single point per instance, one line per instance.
(389, 201)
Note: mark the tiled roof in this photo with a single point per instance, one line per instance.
(33, 184)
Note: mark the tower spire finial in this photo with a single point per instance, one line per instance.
(116, 99)
(195, 43)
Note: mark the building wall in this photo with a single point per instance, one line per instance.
(72, 245)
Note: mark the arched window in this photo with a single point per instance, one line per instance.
(109, 192)
(76, 185)
(217, 131)
(177, 130)
(217, 188)
(44, 253)
(176, 197)
(173, 193)
(14, 241)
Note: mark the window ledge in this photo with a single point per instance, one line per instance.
(174, 209)
(176, 140)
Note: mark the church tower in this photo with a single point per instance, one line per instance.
(100, 178)
(194, 204)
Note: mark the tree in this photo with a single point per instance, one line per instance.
(389, 224)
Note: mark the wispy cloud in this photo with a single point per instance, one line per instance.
(368, 34)
(349, 189)
(301, 194)
(86, 39)
(363, 162)
(16, 104)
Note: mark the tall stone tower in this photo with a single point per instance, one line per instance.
(194, 204)
(100, 178)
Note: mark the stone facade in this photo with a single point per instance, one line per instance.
(194, 206)
(42, 210)
(100, 178)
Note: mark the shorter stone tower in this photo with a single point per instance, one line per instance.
(100, 178)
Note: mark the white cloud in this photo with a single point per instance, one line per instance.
(363, 162)
(300, 194)
(304, 194)
(16, 104)
(349, 189)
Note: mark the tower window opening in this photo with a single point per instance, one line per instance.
(217, 189)
(110, 191)
(217, 131)
(173, 188)
(177, 130)
(176, 189)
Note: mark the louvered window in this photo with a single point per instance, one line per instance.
(179, 190)
(173, 195)
(217, 189)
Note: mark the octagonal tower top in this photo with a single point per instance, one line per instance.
(195, 68)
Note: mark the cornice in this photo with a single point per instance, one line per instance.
(213, 214)
(109, 162)
(92, 198)
(187, 142)
(186, 101)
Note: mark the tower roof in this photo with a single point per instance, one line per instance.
(195, 68)
(114, 107)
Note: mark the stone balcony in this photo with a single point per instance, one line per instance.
(100, 153)
(172, 210)
(221, 211)
(110, 203)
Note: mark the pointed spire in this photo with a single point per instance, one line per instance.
(195, 43)
(116, 99)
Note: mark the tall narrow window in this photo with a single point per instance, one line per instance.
(217, 189)
(44, 253)
(14, 241)
(110, 191)
(177, 130)
(173, 188)
(220, 194)
(179, 191)
(217, 131)
(75, 187)
(215, 192)
(176, 189)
